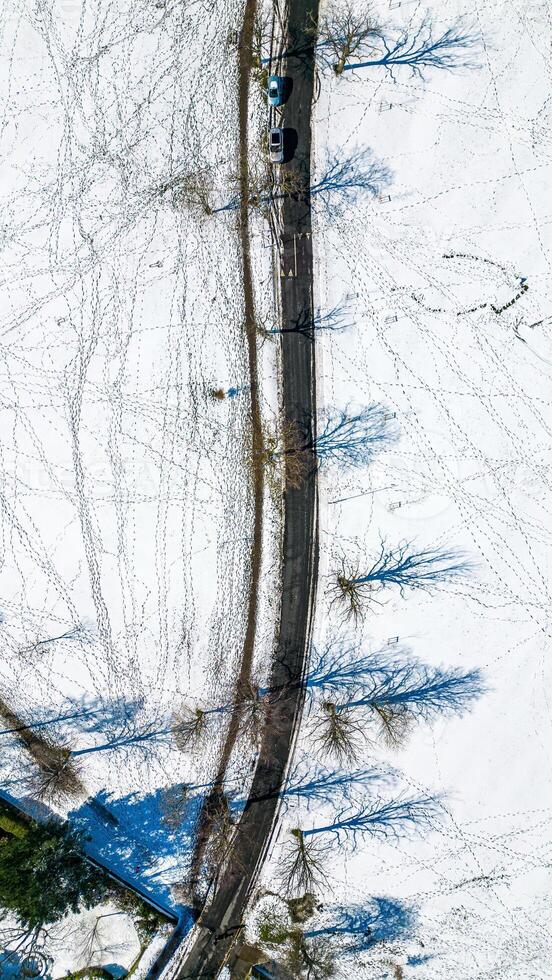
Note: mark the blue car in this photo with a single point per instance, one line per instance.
(276, 90)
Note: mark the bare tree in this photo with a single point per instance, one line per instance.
(338, 734)
(419, 49)
(346, 439)
(255, 703)
(288, 454)
(395, 724)
(403, 566)
(350, 38)
(189, 727)
(345, 32)
(224, 836)
(311, 959)
(56, 776)
(262, 35)
(302, 866)
(265, 187)
(291, 183)
(343, 180)
(396, 690)
(192, 189)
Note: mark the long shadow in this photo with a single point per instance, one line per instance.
(290, 143)
(150, 837)
(396, 681)
(318, 786)
(421, 49)
(344, 179)
(381, 920)
(90, 715)
(402, 816)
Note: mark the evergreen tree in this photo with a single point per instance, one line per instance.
(43, 875)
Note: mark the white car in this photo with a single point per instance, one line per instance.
(276, 145)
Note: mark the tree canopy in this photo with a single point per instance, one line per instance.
(43, 875)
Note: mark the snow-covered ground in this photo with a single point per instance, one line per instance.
(125, 485)
(101, 935)
(462, 221)
(126, 510)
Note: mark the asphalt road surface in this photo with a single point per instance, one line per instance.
(222, 919)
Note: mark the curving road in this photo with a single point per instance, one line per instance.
(221, 920)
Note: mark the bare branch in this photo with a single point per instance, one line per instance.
(338, 734)
(344, 33)
(302, 867)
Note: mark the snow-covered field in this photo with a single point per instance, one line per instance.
(125, 487)
(427, 265)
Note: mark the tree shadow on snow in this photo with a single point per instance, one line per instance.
(145, 839)
(381, 920)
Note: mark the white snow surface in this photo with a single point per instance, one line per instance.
(125, 486)
(125, 504)
(470, 159)
(99, 936)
